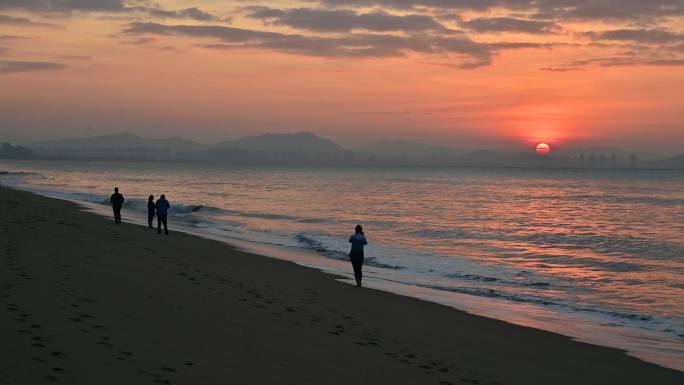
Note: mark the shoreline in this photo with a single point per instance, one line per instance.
(116, 304)
(583, 328)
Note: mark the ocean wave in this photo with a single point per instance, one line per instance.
(16, 173)
(652, 322)
(319, 247)
(263, 215)
(313, 220)
(191, 209)
(182, 209)
(130, 204)
(484, 278)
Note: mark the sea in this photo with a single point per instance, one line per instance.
(596, 255)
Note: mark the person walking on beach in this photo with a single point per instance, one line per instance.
(150, 210)
(162, 207)
(117, 201)
(358, 240)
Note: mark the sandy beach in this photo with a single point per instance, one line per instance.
(85, 301)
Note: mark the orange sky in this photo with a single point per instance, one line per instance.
(570, 75)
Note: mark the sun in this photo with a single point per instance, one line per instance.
(543, 149)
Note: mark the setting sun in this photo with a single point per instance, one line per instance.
(543, 149)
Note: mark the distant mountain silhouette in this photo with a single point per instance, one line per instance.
(299, 142)
(120, 146)
(674, 162)
(302, 147)
(308, 149)
(8, 150)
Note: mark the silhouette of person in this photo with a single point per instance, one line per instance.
(358, 240)
(150, 210)
(117, 202)
(162, 207)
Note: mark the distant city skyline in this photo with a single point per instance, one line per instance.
(495, 74)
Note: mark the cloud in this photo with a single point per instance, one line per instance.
(140, 41)
(65, 5)
(617, 9)
(12, 37)
(556, 9)
(509, 24)
(522, 45)
(109, 6)
(193, 13)
(645, 46)
(652, 36)
(8, 66)
(667, 62)
(409, 4)
(615, 61)
(343, 20)
(149, 42)
(560, 69)
(624, 10)
(350, 45)
(22, 21)
(168, 48)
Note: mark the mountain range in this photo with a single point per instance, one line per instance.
(307, 148)
(119, 146)
(676, 162)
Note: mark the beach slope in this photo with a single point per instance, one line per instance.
(85, 301)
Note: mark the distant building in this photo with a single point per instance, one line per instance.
(613, 161)
(602, 160)
(633, 161)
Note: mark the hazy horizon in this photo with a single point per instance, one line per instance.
(499, 75)
(361, 146)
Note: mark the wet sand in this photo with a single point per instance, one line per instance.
(85, 301)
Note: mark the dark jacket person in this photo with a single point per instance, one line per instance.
(117, 201)
(162, 207)
(358, 241)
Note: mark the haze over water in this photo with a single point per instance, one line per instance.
(602, 247)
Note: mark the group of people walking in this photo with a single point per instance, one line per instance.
(161, 207)
(158, 209)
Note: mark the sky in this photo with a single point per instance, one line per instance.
(468, 74)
